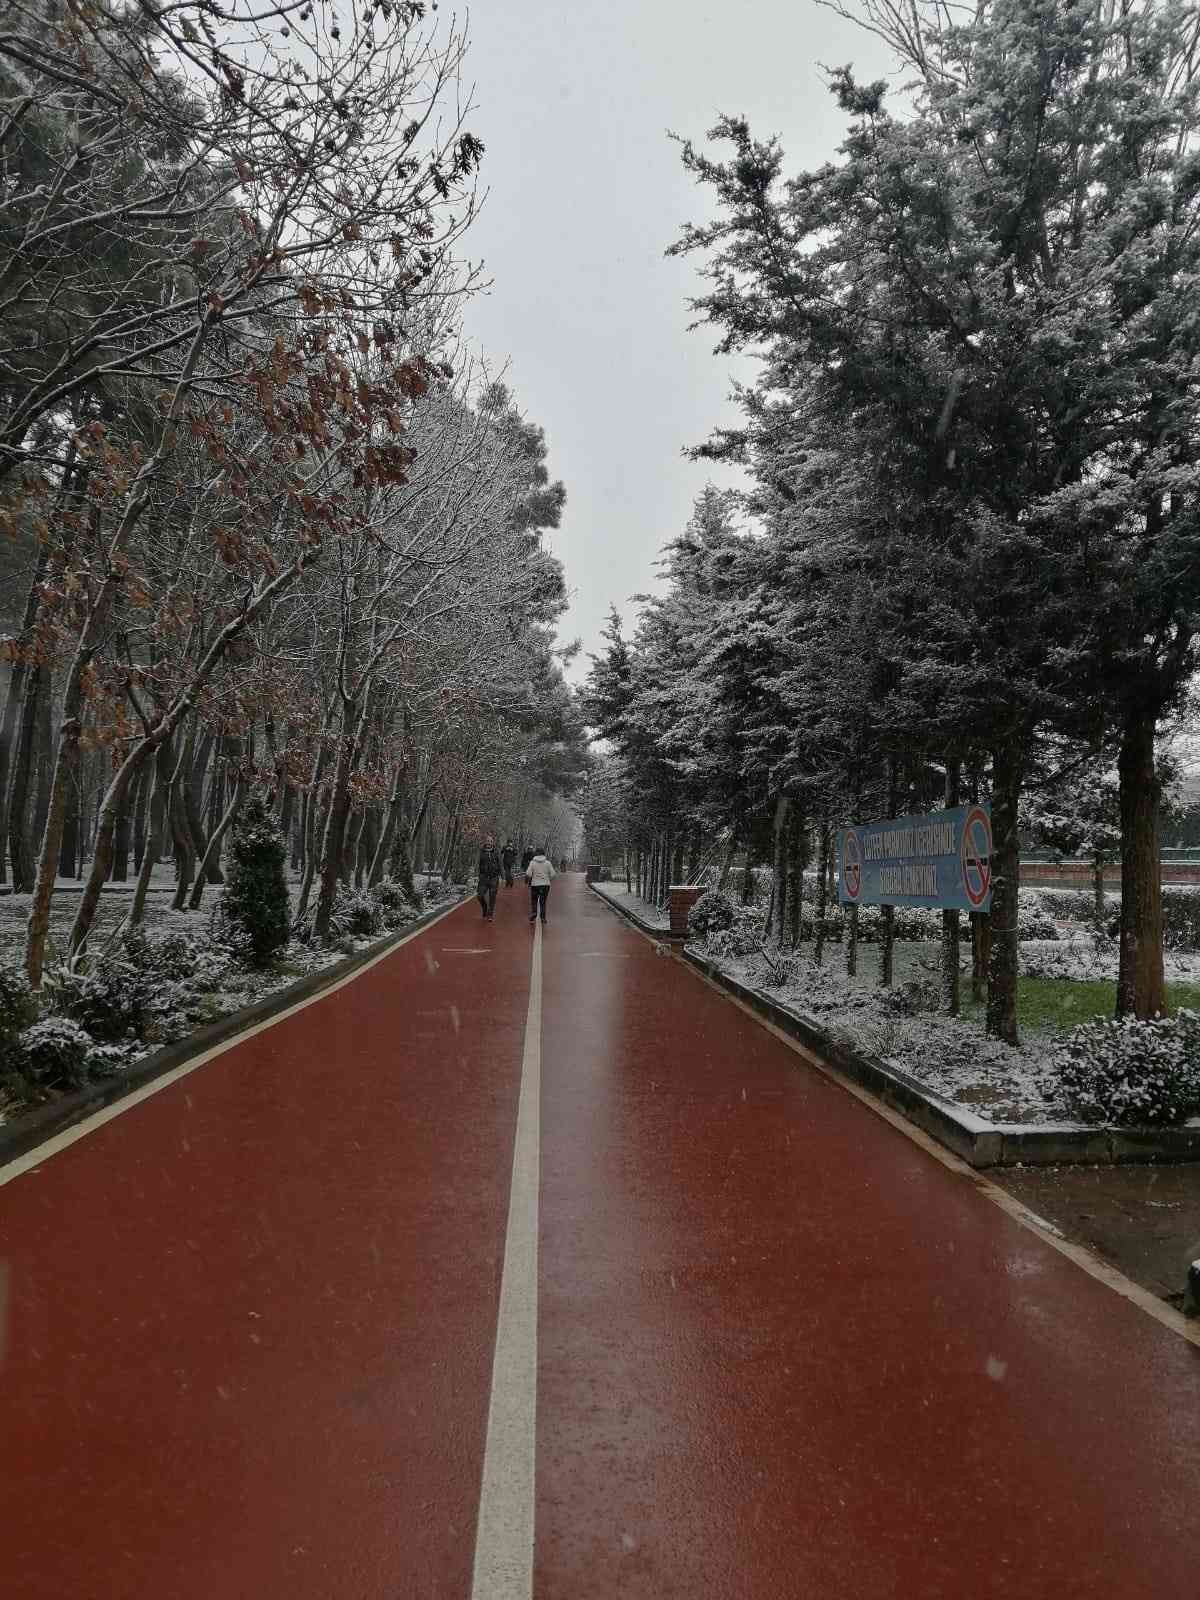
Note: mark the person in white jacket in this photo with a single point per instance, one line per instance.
(540, 873)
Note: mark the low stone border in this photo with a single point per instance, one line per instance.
(979, 1143)
(663, 935)
(18, 1138)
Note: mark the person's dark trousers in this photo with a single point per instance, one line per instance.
(537, 900)
(487, 898)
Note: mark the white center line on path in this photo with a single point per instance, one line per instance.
(504, 1534)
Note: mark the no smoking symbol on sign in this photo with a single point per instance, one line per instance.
(852, 866)
(975, 854)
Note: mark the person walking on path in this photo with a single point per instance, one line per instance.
(526, 858)
(508, 860)
(541, 874)
(489, 878)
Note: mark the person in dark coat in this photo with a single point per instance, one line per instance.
(508, 860)
(526, 858)
(489, 878)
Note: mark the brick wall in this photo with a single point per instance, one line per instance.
(683, 898)
(1078, 874)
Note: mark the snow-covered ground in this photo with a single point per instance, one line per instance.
(950, 1056)
(642, 909)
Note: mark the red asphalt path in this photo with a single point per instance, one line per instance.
(782, 1350)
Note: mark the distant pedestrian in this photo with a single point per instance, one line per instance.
(508, 860)
(489, 878)
(541, 874)
(526, 858)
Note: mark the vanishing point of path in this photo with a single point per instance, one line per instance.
(744, 1340)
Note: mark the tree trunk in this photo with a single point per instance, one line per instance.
(334, 837)
(44, 747)
(951, 994)
(70, 855)
(391, 826)
(822, 891)
(778, 910)
(1098, 890)
(18, 794)
(156, 780)
(727, 863)
(215, 838)
(144, 788)
(797, 852)
(125, 813)
(887, 914)
(16, 699)
(1141, 987)
(1007, 775)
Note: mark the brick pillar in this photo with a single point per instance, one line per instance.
(683, 898)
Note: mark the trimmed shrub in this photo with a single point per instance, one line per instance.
(1132, 1073)
(712, 913)
(1070, 905)
(255, 903)
(54, 1054)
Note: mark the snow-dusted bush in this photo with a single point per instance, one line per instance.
(109, 1060)
(18, 1008)
(395, 907)
(1132, 1073)
(54, 1053)
(356, 914)
(712, 912)
(1181, 917)
(743, 936)
(1081, 959)
(1069, 905)
(1034, 920)
(110, 1002)
(913, 998)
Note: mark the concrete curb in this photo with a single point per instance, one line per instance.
(662, 935)
(976, 1141)
(18, 1138)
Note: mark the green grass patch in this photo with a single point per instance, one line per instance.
(1053, 1005)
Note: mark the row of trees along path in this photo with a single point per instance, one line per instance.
(972, 457)
(266, 521)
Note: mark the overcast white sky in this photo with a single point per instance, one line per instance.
(586, 193)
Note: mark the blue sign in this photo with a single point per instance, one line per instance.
(942, 860)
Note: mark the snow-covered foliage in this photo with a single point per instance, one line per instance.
(53, 1053)
(1132, 1073)
(712, 913)
(18, 1008)
(256, 903)
(111, 1002)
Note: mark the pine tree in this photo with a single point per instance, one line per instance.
(256, 894)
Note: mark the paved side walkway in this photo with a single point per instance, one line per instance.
(781, 1351)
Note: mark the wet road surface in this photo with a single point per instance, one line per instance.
(781, 1351)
